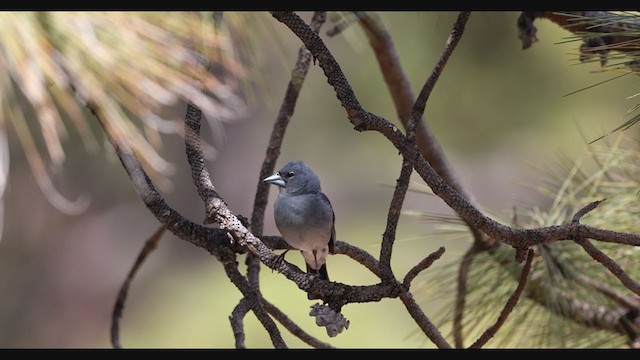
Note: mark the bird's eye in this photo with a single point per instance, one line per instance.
(286, 175)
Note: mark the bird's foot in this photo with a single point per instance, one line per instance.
(278, 261)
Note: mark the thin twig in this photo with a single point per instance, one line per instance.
(344, 23)
(404, 99)
(610, 292)
(453, 40)
(422, 265)
(393, 215)
(294, 328)
(423, 321)
(585, 210)
(359, 255)
(431, 146)
(287, 108)
(237, 325)
(461, 293)
(610, 264)
(253, 302)
(509, 306)
(148, 247)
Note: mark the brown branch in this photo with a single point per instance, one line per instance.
(520, 239)
(148, 247)
(403, 97)
(585, 210)
(216, 241)
(287, 108)
(237, 325)
(453, 40)
(461, 292)
(215, 208)
(253, 301)
(344, 23)
(628, 302)
(590, 315)
(610, 264)
(509, 306)
(293, 328)
(423, 321)
(273, 150)
(363, 121)
(422, 265)
(359, 255)
(393, 215)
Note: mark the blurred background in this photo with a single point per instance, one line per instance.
(498, 111)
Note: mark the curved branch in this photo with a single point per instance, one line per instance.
(461, 293)
(363, 120)
(217, 210)
(148, 247)
(403, 97)
(293, 328)
(610, 264)
(298, 75)
(509, 306)
(422, 265)
(237, 326)
(253, 300)
(393, 215)
(287, 108)
(359, 255)
(423, 321)
(216, 241)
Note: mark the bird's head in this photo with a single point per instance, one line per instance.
(295, 178)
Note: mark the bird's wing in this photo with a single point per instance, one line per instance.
(332, 239)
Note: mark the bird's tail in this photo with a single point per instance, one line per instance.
(324, 275)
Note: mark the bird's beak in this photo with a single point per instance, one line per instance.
(275, 179)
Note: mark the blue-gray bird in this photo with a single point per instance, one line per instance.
(304, 215)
